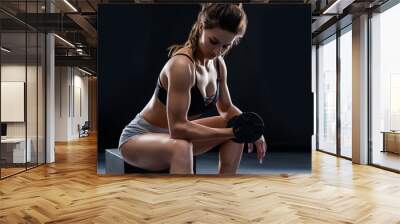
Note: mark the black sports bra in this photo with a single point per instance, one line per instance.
(198, 104)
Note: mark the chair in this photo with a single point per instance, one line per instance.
(84, 130)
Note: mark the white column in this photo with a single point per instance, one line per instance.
(50, 93)
(360, 90)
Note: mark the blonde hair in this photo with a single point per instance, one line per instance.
(230, 17)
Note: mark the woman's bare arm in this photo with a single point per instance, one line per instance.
(224, 104)
(180, 80)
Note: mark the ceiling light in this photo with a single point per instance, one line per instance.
(5, 50)
(65, 41)
(70, 5)
(329, 9)
(86, 72)
(338, 6)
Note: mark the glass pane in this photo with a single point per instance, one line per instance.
(13, 86)
(41, 98)
(31, 83)
(314, 82)
(327, 96)
(31, 100)
(346, 93)
(386, 88)
(22, 63)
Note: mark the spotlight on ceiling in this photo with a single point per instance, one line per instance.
(70, 5)
(65, 41)
(5, 50)
(84, 71)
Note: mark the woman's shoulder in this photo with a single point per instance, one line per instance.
(180, 66)
(181, 54)
(184, 52)
(180, 62)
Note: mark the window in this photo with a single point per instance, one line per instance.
(385, 88)
(346, 93)
(327, 95)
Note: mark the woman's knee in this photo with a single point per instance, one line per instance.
(182, 148)
(128, 152)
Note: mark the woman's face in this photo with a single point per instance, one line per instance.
(214, 42)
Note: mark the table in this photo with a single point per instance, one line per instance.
(391, 141)
(13, 150)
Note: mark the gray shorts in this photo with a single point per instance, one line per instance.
(138, 126)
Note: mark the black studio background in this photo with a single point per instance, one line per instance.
(269, 72)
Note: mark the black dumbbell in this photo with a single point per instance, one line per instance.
(247, 127)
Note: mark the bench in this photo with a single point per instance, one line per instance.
(115, 164)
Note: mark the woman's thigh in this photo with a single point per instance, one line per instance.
(152, 151)
(200, 147)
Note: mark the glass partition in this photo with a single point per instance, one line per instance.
(346, 93)
(385, 88)
(41, 91)
(22, 88)
(327, 95)
(31, 100)
(14, 153)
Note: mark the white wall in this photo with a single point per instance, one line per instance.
(71, 94)
(33, 126)
(16, 72)
(11, 73)
(80, 102)
(61, 103)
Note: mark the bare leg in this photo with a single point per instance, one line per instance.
(157, 151)
(182, 161)
(230, 153)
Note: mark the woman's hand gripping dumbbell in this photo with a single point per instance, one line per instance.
(248, 128)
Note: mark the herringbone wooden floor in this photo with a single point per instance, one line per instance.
(70, 191)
